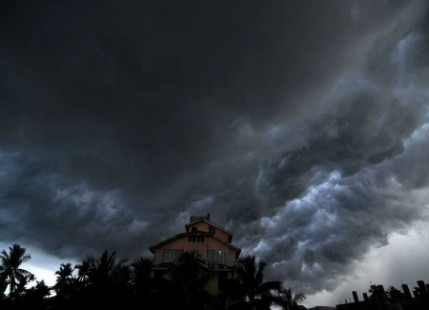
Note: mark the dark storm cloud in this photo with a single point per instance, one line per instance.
(71, 210)
(299, 126)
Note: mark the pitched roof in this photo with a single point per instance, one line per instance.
(183, 235)
(210, 223)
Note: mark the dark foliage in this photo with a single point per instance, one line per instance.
(248, 290)
(106, 282)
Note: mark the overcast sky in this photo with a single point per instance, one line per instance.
(301, 126)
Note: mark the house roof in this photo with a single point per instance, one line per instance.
(198, 233)
(208, 222)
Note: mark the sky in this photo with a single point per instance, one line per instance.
(300, 126)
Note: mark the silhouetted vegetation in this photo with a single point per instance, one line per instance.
(12, 277)
(288, 300)
(106, 282)
(249, 290)
(390, 299)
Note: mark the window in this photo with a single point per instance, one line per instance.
(220, 257)
(197, 239)
(171, 255)
(195, 253)
(194, 228)
(233, 258)
(212, 230)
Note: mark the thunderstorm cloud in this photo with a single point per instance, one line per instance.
(300, 126)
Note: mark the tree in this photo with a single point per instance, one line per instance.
(250, 288)
(41, 290)
(141, 279)
(108, 280)
(11, 275)
(101, 270)
(83, 270)
(189, 276)
(289, 301)
(36, 297)
(377, 293)
(64, 284)
(394, 294)
(3, 283)
(64, 273)
(142, 285)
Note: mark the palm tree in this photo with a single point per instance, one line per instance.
(11, 275)
(83, 270)
(289, 301)
(37, 296)
(41, 289)
(394, 294)
(64, 273)
(250, 288)
(3, 283)
(64, 280)
(103, 269)
(108, 280)
(189, 276)
(377, 293)
(142, 284)
(141, 279)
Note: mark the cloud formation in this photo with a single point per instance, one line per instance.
(300, 127)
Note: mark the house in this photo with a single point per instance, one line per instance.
(205, 240)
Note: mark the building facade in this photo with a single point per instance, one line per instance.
(205, 240)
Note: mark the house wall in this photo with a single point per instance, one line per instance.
(177, 244)
(197, 246)
(202, 248)
(222, 235)
(201, 226)
(214, 244)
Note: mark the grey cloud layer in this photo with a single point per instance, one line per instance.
(300, 127)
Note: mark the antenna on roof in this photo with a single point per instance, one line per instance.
(208, 216)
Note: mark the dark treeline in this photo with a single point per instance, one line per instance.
(390, 299)
(106, 281)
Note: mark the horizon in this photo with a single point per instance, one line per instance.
(360, 283)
